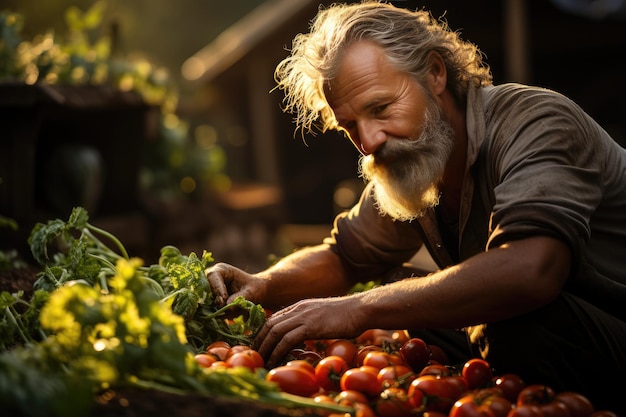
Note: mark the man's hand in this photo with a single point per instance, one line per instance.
(317, 318)
(228, 282)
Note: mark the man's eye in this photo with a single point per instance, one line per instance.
(379, 109)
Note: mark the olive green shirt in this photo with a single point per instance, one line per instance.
(536, 165)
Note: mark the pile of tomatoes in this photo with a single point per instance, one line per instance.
(385, 373)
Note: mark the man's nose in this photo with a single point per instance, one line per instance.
(370, 138)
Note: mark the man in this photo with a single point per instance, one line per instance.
(519, 196)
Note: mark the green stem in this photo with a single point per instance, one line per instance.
(110, 236)
(14, 317)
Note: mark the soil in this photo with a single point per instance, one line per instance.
(152, 403)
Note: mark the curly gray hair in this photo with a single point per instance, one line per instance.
(407, 37)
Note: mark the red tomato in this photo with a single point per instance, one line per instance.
(439, 394)
(362, 353)
(294, 380)
(510, 385)
(477, 372)
(396, 376)
(554, 409)
(400, 336)
(467, 406)
(317, 346)
(219, 364)
(437, 355)
(493, 399)
(219, 352)
(307, 355)
(363, 410)
(350, 397)
(363, 379)
(381, 359)
(415, 353)
(249, 358)
(525, 411)
(235, 349)
(205, 360)
(436, 370)
(577, 404)
(535, 394)
(304, 364)
(219, 343)
(459, 383)
(376, 337)
(393, 402)
(343, 348)
(328, 372)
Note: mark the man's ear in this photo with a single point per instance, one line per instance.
(438, 74)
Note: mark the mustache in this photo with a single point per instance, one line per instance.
(396, 150)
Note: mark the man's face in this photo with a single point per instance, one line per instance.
(397, 127)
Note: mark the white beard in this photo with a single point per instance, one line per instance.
(407, 172)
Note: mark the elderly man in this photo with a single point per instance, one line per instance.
(519, 196)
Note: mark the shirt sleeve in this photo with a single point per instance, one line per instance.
(548, 170)
(369, 243)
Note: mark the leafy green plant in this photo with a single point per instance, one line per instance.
(106, 321)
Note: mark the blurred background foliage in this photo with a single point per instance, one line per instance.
(134, 46)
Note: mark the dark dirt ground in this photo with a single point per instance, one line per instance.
(151, 403)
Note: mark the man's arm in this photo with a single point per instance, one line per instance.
(309, 272)
(504, 282)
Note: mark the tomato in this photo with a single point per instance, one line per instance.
(363, 351)
(436, 370)
(510, 385)
(554, 409)
(293, 380)
(393, 402)
(439, 394)
(235, 349)
(577, 404)
(363, 379)
(380, 359)
(437, 355)
(415, 353)
(493, 399)
(307, 355)
(363, 410)
(543, 397)
(400, 336)
(219, 352)
(467, 406)
(395, 376)
(219, 343)
(205, 360)
(477, 372)
(376, 337)
(304, 364)
(458, 382)
(219, 364)
(535, 394)
(328, 372)
(343, 348)
(249, 358)
(525, 411)
(350, 397)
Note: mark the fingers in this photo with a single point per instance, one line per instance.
(278, 337)
(219, 275)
